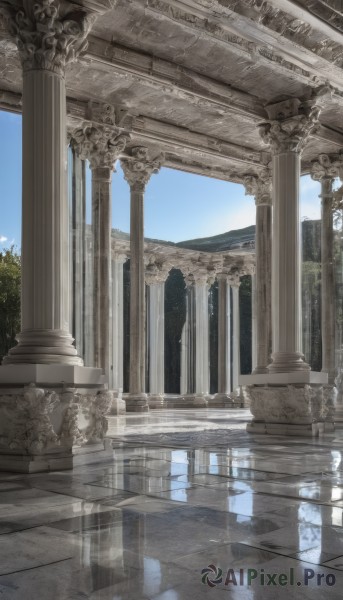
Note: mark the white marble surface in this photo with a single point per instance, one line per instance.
(145, 525)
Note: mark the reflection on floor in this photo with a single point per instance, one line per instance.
(174, 502)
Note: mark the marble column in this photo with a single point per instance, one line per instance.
(261, 188)
(289, 399)
(101, 142)
(325, 170)
(187, 342)
(155, 277)
(49, 417)
(236, 336)
(138, 168)
(198, 345)
(223, 397)
(78, 250)
(287, 137)
(116, 381)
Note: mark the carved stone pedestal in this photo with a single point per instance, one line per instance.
(54, 422)
(291, 409)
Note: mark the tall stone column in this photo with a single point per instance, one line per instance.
(116, 380)
(261, 188)
(223, 397)
(101, 142)
(236, 335)
(187, 342)
(155, 277)
(289, 399)
(199, 330)
(48, 419)
(138, 168)
(286, 133)
(78, 250)
(325, 170)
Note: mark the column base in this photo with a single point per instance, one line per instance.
(196, 400)
(136, 402)
(118, 404)
(156, 401)
(49, 419)
(288, 362)
(45, 347)
(222, 400)
(301, 409)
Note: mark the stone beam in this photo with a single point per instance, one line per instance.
(252, 29)
(174, 79)
(186, 150)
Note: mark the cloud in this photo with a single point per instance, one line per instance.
(3, 239)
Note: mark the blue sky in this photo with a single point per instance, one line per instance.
(178, 206)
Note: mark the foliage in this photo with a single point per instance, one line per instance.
(245, 324)
(10, 274)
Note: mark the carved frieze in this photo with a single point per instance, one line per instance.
(139, 166)
(49, 33)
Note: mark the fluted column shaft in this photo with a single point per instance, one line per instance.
(202, 364)
(117, 334)
(224, 335)
(156, 286)
(138, 168)
(263, 281)
(101, 229)
(236, 337)
(137, 291)
(45, 336)
(328, 281)
(187, 344)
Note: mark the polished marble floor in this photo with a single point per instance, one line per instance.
(189, 505)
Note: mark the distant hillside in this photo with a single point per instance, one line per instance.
(239, 238)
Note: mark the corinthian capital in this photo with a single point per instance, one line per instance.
(100, 144)
(290, 124)
(49, 33)
(259, 186)
(139, 167)
(326, 167)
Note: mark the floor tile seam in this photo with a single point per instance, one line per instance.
(55, 562)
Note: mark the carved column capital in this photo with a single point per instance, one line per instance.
(49, 33)
(260, 187)
(101, 144)
(138, 167)
(156, 273)
(290, 124)
(326, 167)
(119, 257)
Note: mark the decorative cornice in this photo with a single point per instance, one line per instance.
(291, 122)
(260, 187)
(326, 167)
(49, 33)
(138, 167)
(101, 142)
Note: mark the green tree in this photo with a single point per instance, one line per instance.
(10, 274)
